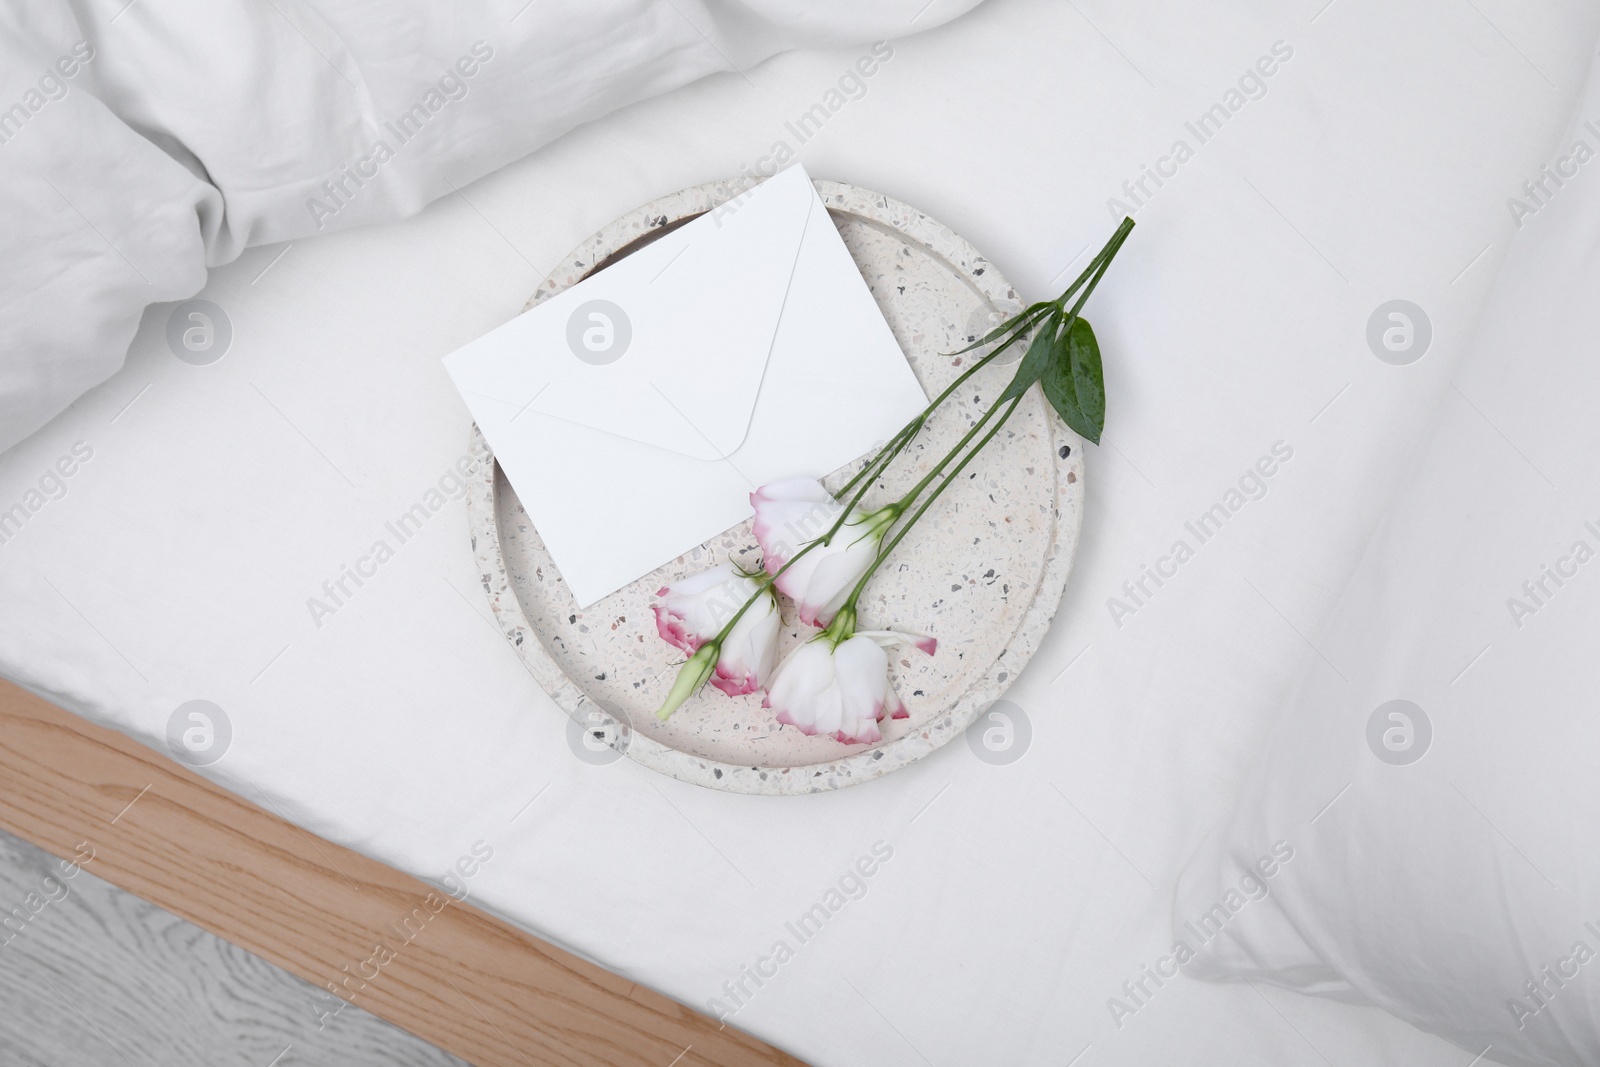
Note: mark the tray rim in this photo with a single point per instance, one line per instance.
(840, 198)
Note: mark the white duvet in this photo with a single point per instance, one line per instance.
(142, 142)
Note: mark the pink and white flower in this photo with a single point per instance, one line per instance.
(796, 511)
(843, 691)
(693, 611)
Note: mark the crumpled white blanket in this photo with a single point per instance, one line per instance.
(143, 141)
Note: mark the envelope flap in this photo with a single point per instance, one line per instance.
(669, 346)
(783, 359)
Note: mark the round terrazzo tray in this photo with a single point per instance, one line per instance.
(983, 571)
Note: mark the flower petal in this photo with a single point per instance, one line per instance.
(923, 642)
(672, 630)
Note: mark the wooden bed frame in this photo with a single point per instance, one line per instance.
(470, 984)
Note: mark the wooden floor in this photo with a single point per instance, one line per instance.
(468, 984)
(91, 976)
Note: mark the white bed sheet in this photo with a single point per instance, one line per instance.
(1019, 898)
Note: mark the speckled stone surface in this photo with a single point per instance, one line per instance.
(983, 571)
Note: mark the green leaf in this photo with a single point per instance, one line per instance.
(1062, 392)
(1035, 361)
(1089, 383)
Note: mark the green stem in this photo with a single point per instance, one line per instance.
(861, 482)
(1100, 264)
(968, 458)
(906, 501)
(876, 466)
(1022, 323)
(1012, 330)
(883, 553)
(916, 490)
(1097, 266)
(769, 580)
(1016, 327)
(885, 454)
(1091, 274)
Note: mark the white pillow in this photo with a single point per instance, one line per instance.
(1446, 849)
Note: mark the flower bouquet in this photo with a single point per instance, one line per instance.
(820, 549)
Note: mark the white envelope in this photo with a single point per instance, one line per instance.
(635, 411)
